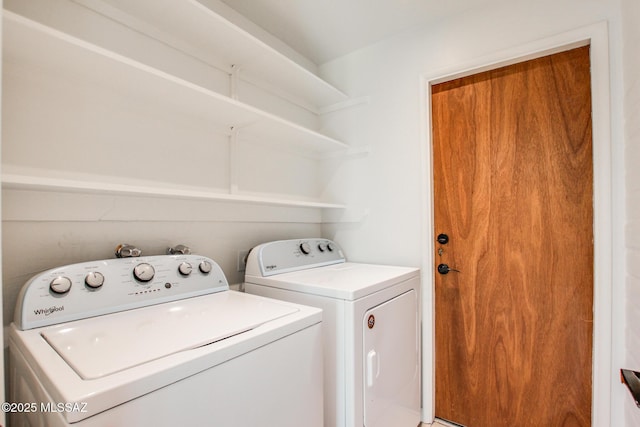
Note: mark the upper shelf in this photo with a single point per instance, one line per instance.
(39, 46)
(196, 28)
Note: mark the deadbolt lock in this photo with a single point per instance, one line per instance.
(443, 239)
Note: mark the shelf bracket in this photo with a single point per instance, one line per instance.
(234, 79)
(233, 160)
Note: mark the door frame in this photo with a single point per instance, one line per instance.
(595, 35)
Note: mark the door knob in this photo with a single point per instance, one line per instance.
(445, 269)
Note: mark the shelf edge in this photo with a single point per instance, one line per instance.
(25, 182)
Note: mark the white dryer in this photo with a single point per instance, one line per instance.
(160, 341)
(370, 327)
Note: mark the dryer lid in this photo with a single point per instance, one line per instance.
(104, 345)
(347, 281)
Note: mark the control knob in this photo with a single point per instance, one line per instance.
(143, 272)
(322, 247)
(205, 267)
(305, 248)
(60, 285)
(185, 268)
(330, 247)
(94, 280)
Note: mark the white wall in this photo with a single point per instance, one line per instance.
(631, 40)
(392, 183)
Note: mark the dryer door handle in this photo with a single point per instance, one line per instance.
(373, 367)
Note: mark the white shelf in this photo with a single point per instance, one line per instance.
(29, 45)
(197, 29)
(84, 184)
(40, 46)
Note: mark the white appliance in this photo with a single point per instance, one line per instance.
(160, 341)
(370, 327)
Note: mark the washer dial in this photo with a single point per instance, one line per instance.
(143, 272)
(60, 285)
(185, 268)
(94, 280)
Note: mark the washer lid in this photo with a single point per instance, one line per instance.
(348, 281)
(104, 345)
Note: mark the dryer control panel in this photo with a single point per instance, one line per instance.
(88, 289)
(284, 256)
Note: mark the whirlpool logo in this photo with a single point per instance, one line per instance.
(47, 311)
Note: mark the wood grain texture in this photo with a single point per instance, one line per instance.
(513, 186)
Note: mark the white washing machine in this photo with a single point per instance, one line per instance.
(160, 341)
(370, 327)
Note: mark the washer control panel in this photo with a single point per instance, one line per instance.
(88, 289)
(284, 256)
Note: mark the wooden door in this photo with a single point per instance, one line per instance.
(512, 153)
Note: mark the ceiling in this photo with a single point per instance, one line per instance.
(322, 30)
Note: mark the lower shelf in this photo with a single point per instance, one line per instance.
(27, 182)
